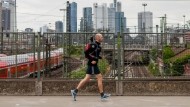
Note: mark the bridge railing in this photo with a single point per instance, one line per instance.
(138, 55)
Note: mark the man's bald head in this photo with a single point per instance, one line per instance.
(99, 37)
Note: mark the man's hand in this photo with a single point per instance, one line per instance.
(93, 62)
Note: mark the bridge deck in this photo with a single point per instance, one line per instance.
(94, 101)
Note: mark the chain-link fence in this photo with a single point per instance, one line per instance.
(125, 55)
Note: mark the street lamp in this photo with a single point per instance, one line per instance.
(184, 23)
(63, 18)
(144, 4)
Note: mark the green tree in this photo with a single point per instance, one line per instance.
(167, 53)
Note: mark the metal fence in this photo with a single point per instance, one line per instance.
(125, 55)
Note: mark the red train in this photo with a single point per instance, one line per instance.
(27, 63)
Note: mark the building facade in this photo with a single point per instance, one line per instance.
(59, 27)
(100, 18)
(145, 22)
(71, 17)
(120, 22)
(87, 16)
(9, 15)
(111, 19)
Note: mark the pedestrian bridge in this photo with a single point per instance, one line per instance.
(129, 47)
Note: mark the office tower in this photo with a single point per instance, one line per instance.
(145, 22)
(100, 18)
(8, 16)
(111, 19)
(71, 18)
(120, 22)
(118, 7)
(59, 27)
(115, 3)
(87, 15)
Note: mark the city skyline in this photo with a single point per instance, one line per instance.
(48, 12)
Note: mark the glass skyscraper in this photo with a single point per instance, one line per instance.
(58, 26)
(73, 17)
(87, 15)
(120, 22)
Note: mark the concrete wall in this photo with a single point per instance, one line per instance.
(127, 87)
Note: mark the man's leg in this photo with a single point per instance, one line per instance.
(100, 86)
(99, 80)
(82, 83)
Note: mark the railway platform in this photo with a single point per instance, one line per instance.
(94, 101)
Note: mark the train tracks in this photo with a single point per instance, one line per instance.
(136, 70)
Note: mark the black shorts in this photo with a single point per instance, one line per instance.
(92, 70)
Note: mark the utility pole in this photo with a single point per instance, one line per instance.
(165, 29)
(63, 18)
(15, 16)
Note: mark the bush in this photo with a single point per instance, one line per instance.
(167, 53)
(154, 70)
(103, 66)
(153, 54)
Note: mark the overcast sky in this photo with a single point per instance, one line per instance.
(36, 13)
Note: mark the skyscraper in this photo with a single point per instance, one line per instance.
(111, 19)
(8, 15)
(100, 18)
(118, 7)
(87, 15)
(115, 3)
(71, 18)
(82, 24)
(58, 26)
(145, 22)
(120, 22)
(73, 10)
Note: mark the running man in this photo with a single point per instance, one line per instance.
(92, 53)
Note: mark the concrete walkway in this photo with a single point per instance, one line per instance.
(94, 101)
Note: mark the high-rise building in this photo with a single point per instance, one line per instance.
(118, 7)
(44, 29)
(58, 26)
(71, 18)
(87, 15)
(73, 10)
(81, 25)
(100, 18)
(145, 22)
(8, 15)
(120, 22)
(111, 19)
(115, 3)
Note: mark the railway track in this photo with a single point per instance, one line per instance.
(137, 71)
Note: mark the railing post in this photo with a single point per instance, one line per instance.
(157, 39)
(119, 55)
(16, 59)
(38, 45)
(2, 41)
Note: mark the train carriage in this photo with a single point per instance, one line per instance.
(28, 63)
